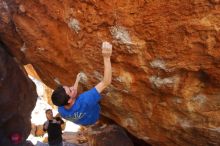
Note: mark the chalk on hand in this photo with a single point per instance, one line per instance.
(106, 45)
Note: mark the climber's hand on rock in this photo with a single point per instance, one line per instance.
(79, 76)
(106, 49)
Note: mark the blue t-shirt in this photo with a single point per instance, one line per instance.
(85, 110)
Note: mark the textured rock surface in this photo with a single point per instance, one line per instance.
(17, 99)
(108, 135)
(166, 69)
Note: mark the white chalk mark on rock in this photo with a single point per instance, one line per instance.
(158, 82)
(98, 75)
(200, 99)
(83, 78)
(23, 48)
(74, 25)
(217, 129)
(5, 6)
(120, 33)
(157, 63)
(56, 80)
(40, 49)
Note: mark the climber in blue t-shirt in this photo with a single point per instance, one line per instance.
(83, 109)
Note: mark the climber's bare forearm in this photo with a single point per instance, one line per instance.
(75, 86)
(107, 71)
(106, 52)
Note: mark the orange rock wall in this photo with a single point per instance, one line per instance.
(166, 69)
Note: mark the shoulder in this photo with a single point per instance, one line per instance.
(89, 97)
(90, 92)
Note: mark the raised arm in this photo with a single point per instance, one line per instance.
(78, 77)
(75, 86)
(106, 53)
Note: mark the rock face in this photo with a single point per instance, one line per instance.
(166, 69)
(108, 135)
(17, 99)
